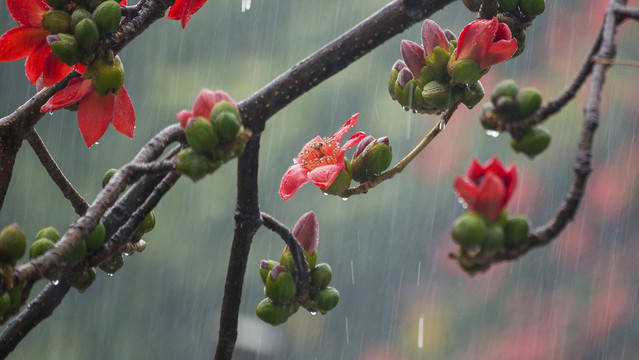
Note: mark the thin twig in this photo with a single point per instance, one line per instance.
(70, 193)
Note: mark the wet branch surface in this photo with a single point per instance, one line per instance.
(582, 168)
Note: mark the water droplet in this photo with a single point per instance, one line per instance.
(55, 282)
(414, 111)
(313, 312)
(462, 202)
(326, 194)
(406, 108)
(109, 274)
(126, 254)
(344, 198)
(442, 125)
(492, 133)
(50, 112)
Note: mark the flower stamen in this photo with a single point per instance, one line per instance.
(320, 152)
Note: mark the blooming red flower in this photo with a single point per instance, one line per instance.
(487, 42)
(29, 39)
(183, 9)
(486, 189)
(204, 102)
(320, 161)
(95, 112)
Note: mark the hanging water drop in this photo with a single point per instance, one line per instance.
(344, 198)
(442, 125)
(55, 282)
(492, 133)
(109, 274)
(313, 312)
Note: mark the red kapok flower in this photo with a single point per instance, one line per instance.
(487, 42)
(320, 161)
(486, 189)
(204, 102)
(29, 40)
(183, 9)
(95, 112)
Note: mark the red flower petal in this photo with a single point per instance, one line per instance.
(306, 231)
(54, 70)
(183, 9)
(294, 178)
(123, 114)
(20, 42)
(35, 62)
(344, 129)
(77, 89)
(204, 102)
(475, 170)
(475, 39)
(465, 189)
(183, 116)
(123, 3)
(94, 115)
(490, 195)
(498, 52)
(27, 12)
(324, 176)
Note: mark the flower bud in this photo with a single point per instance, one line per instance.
(39, 247)
(438, 95)
(106, 76)
(528, 100)
(287, 261)
(280, 285)
(201, 135)
(79, 15)
(107, 16)
(326, 299)
(465, 71)
(83, 280)
(341, 183)
(494, 240)
(107, 176)
(472, 5)
(311, 259)
(472, 94)
(192, 164)
(413, 55)
(113, 264)
(5, 303)
(532, 8)
(516, 230)
(57, 4)
(13, 243)
(377, 156)
(265, 268)
(450, 35)
(521, 43)
(78, 253)
(65, 48)
(86, 34)
(469, 230)
(437, 64)
(533, 142)
(272, 313)
(399, 64)
(15, 295)
(96, 238)
(146, 225)
(48, 233)
(506, 88)
(507, 5)
(507, 106)
(56, 21)
(321, 275)
(227, 124)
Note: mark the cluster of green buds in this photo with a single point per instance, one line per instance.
(212, 140)
(11, 300)
(78, 26)
(280, 288)
(509, 104)
(371, 158)
(13, 245)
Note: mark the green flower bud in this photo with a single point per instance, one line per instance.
(533, 142)
(192, 164)
(391, 82)
(5, 303)
(489, 120)
(39, 247)
(532, 7)
(272, 313)
(107, 176)
(280, 285)
(65, 48)
(472, 5)
(506, 105)
(49, 233)
(503, 217)
(472, 95)
(96, 238)
(465, 71)
(437, 64)
(105, 76)
(86, 34)
(57, 4)
(506, 87)
(57, 21)
(469, 230)
(287, 261)
(528, 100)
(113, 264)
(265, 268)
(516, 230)
(146, 225)
(507, 5)
(311, 259)
(404, 96)
(438, 95)
(79, 15)
(326, 298)
(15, 295)
(425, 77)
(378, 158)
(78, 253)
(201, 135)
(321, 275)
(227, 124)
(494, 240)
(341, 183)
(521, 43)
(107, 16)
(13, 243)
(92, 4)
(221, 107)
(83, 280)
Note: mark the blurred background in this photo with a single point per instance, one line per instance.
(573, 299)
